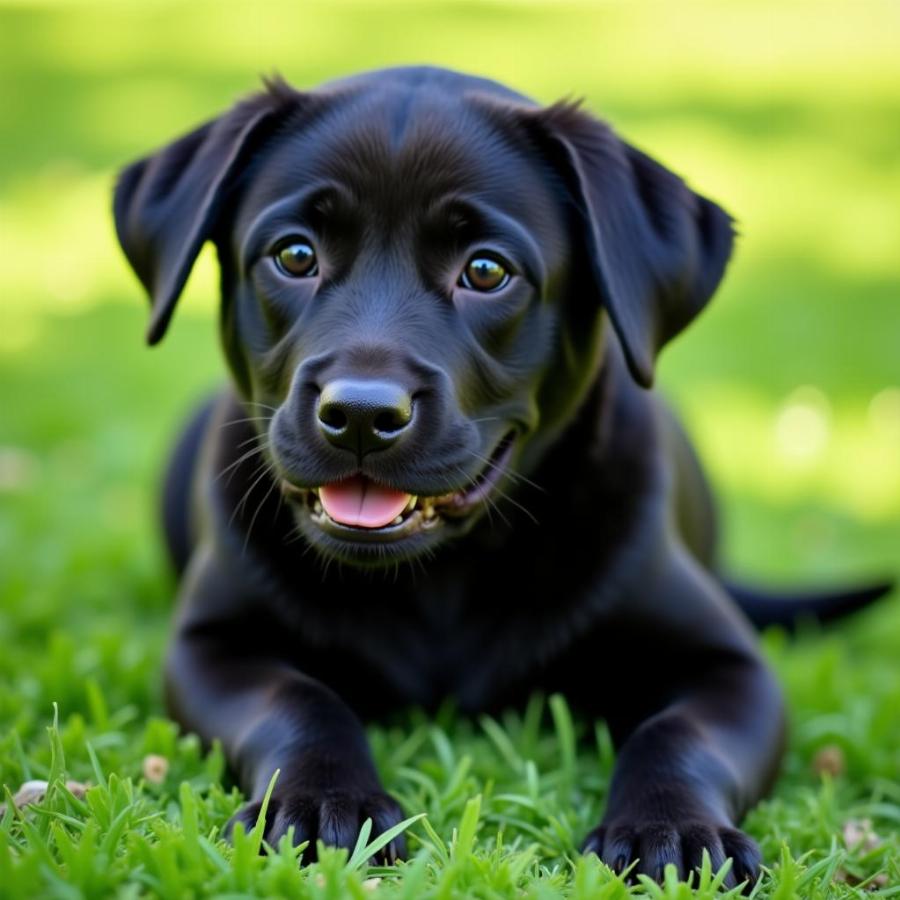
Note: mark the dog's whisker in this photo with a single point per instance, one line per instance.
(261, 405)
(245, 420)
(492, 505)
(503, 495)
(489, 504)
(250, 440)
(258, 472)
(280, 503)
(260, 505)
(232, 468)
(240, 506)
(499, 491)
(295, 535)
(513, 476)
(243, 458)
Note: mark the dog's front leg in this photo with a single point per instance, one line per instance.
(229, 677)
(708, 734)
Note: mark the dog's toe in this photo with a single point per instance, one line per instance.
(652, 846)
(333, 817)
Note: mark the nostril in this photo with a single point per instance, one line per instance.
(363, 415)
(389, 421)
(333, 417)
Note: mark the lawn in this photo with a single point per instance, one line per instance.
(788, 113)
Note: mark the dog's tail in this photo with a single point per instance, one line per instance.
(790, 608)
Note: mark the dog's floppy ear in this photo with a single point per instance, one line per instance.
(166, 205)
(657, 250)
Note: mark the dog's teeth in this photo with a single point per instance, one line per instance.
(411, 504)
(398, 521)
(317, 508)
(428, 511)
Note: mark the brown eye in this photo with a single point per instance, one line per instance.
(485, 274)
(296, 259)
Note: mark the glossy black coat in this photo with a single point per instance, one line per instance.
(592, 573)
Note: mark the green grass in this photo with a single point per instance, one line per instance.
(786, 112)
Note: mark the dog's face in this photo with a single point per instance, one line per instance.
(394, 299)
(416, 271)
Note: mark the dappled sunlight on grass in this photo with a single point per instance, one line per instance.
(802, 447)
(754, 51)
(794, 195)
(61, 256)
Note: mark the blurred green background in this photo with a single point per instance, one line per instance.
(787, 113)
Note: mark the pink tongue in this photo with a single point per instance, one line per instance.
(359, 501)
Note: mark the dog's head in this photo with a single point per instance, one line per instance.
(417, 267)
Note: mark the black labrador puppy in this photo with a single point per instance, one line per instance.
(439, 470)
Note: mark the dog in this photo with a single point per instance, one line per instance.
(440, 469)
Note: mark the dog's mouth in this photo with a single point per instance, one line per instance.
(359, 508)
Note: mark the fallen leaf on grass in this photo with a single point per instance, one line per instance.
(155, 768)
(859, 835)
(35, 791)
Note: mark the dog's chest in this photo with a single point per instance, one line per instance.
(439, 650)
(416, 650)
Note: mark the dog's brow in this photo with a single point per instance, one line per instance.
(491, 224)
(285, 211)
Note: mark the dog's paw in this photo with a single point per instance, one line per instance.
(332, 816)
(656, 844)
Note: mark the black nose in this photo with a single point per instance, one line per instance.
(363, 415)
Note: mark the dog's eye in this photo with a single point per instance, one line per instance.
(485, 274)
(296, 258)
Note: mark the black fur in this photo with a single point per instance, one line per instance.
(589, 568)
